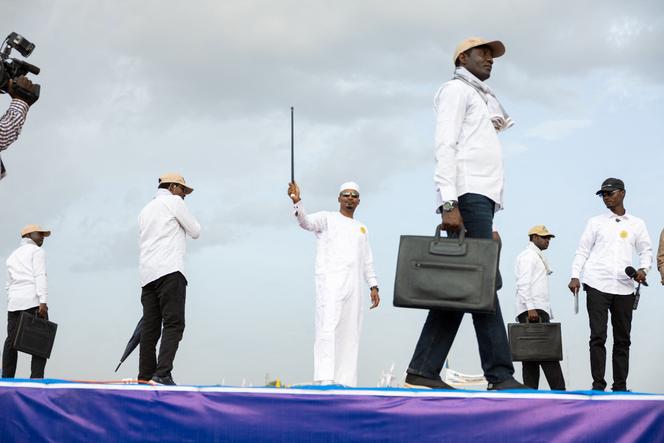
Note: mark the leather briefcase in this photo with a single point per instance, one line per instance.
(453, 274)
(35, 335)
(535, 341)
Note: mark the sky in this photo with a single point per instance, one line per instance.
(131, 90)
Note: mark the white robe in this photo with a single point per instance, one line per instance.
(343, 260)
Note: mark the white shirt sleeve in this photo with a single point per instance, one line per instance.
(39, 269)
(583, 250)
(186, 219)
(369, 271)
(450, 106)
(315, 222)
(644, 248)
(524, 270)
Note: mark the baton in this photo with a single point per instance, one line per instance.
(292, 149)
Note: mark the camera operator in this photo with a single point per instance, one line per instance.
(12, 122)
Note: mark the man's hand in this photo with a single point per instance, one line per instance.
(294, 192)
(375, 298)
(22, 83)
(533, 315)
(640, 276)
(43, 310)
(452, 220)
(574, 285)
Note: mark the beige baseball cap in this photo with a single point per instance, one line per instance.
(29, 229)
(541, 231)
(497, 47)
(173, 177)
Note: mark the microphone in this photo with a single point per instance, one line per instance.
(631, 273)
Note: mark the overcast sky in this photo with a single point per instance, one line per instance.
(133, 89)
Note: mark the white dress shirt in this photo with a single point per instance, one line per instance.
(532, 281)
(26, 277)
(10, 126)
(468, 153)
(606, 249)
(163, 225)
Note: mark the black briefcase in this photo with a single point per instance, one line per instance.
(35, 335)
(535, 341)
(453, 274)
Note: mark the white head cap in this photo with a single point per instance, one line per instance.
(349, 185)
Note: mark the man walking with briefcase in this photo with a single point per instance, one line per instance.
(532, 302)
(469, 188)
(27, 291)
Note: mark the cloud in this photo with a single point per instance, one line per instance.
(554, 130)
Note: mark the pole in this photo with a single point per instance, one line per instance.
(292, 148)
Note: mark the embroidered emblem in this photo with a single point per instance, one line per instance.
(623, 234)
(363, 230)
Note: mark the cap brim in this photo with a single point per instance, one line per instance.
(497, 48)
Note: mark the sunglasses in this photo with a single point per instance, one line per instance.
(608, 193)
(350, 194)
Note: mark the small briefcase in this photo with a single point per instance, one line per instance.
(35, 335)
(452, 274)
(535, 341)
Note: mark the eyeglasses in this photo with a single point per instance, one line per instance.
(608, 193)
(350, 194)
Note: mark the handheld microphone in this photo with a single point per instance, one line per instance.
(631, 273)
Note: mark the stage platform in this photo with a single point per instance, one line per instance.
(60, 411)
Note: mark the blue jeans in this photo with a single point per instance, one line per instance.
(441, 327)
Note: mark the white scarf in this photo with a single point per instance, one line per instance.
(539, 252)
(499, 117)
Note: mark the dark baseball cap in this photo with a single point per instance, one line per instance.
(611, 184)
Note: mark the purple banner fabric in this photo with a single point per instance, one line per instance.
(63, 412)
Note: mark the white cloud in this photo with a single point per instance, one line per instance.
(553, 130)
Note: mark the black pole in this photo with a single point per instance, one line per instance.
(292, 149)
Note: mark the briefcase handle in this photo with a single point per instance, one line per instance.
(450, 248)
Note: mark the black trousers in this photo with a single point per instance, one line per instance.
(531, 369)
(163, 304)
(599, 305)
(10, 355)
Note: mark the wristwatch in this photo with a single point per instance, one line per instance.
(449, 205)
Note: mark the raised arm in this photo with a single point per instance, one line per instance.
(12, 122)
(186, 219)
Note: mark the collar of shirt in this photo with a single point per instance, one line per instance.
(614, 216)
(161, 192)
(28, 241)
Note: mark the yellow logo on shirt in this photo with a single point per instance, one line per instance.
(363, 230)
(624, 234)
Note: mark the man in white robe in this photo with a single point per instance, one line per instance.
(343, 260)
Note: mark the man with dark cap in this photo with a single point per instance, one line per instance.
(164, 224)
(606, 248)
(469, 190)
(27, 291)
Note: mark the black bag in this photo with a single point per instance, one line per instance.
(535, 341)
(453, 274)
(35, 335)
